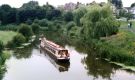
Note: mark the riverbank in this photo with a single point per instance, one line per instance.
(118, 48)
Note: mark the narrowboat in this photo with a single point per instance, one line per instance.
(60, 66)
(60, 53)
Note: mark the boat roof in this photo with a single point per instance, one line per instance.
(55, 45)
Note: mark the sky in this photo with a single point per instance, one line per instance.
(18, 3)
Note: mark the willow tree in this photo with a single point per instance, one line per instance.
(99, 22)
(78, 14)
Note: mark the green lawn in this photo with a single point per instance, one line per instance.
(124, 24)
(6, 36)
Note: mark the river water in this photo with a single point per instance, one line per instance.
(35, 64)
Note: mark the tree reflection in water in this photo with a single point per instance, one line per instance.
(96, 67)
(23, 53)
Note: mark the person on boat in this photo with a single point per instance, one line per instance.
(42, 40)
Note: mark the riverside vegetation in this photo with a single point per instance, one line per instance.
(93, 26)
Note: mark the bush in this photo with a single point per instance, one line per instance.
(10, 44)
(43, 22)
(1, 46)
(114, 53)
(25, 30)
(35, 28)
(18, 40)
(70, 25)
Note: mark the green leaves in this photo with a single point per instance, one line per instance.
(25, 30)
(99, 22)
(1, 46)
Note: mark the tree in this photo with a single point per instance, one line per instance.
(35, 28)
(133, 5)
(68, 16)
(70, 25)
(52, 14)
(30, 5)
(129, 15)
(1, 46)
(117, 3)
(78, 14)
(18, 39)
(25, 30)
(124, 13)
(99, 22)
(7, 14)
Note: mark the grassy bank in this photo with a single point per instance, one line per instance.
(6, 36)
(118, 48)
(124, 24)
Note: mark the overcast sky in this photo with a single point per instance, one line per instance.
(18, 3)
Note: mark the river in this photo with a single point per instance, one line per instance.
(35, 64)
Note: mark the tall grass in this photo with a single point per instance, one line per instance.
(118, 48)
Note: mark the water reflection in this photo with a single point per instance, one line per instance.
(23, 53)
(96, 67)
(58, 65)
(32, 63)
(38, 65)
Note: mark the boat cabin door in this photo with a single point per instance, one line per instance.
(64, 53)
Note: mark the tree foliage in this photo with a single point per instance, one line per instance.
(78, 14)
(25, 30)
(1, 46)
(117, 3)
(70, 25)
(18, 40)
(99, 22)
(7, 14)
(68, 16)
(28, 11)
(35, 28)
(133, 5)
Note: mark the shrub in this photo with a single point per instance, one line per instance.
(1, 46)
(25, 30)
(43, 22)
(35, 28)
(10, 44)
(18, 40)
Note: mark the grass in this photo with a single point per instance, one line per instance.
(120, 47)
(124, 24)
(6, 36)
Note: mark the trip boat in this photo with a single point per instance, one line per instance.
(60, 66)
(57, 51)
